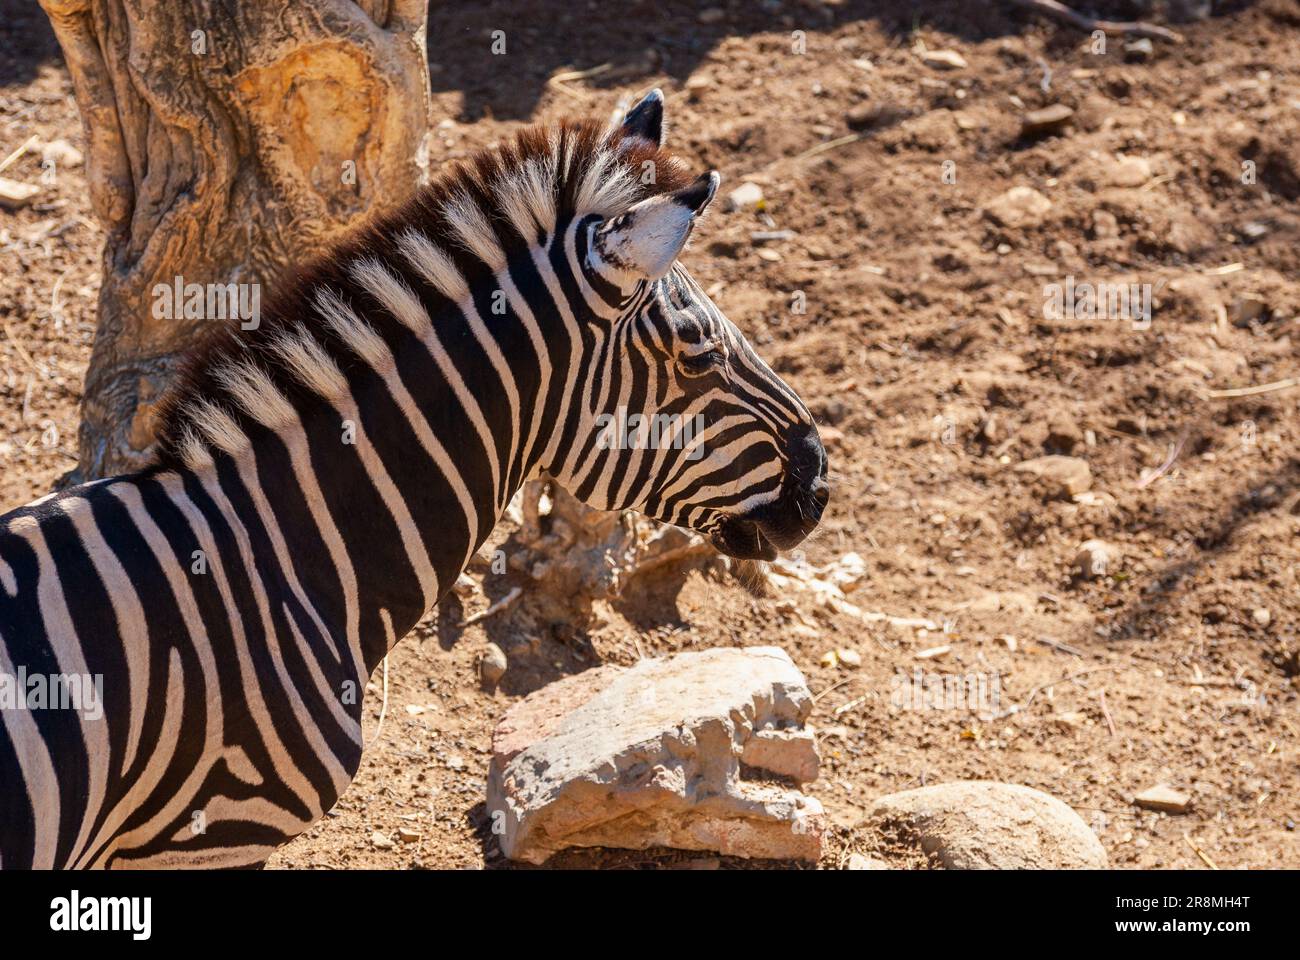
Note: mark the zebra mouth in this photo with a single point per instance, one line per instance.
(742, 539)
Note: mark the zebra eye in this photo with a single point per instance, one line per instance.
(702, 362)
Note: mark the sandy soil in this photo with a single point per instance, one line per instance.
(926, 352)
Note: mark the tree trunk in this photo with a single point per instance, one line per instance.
(226, 142)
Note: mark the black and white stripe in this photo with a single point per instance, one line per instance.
(236, 596)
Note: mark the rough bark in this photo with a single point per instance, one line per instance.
(226, 142)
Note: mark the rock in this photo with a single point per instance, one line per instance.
(1139, 51)
(1051, 119)
(1063, 433)
(407, 835)
(1163, 798)
(651, 755)
(381, 841)
(1247, 308)
(981, 825)
(1187, 11)
(1104, 225)
(848, 572)
(1262, 616)
(15, 193)
(1018, 208)
(62, 153)
(943, 60)
(857, 861)
(747, 196)
(1094, 559)
(1128, 172)
(696, 86)
(493, 664)
(849, 658)
(1060, 477)
(873, 116)
(712, 15)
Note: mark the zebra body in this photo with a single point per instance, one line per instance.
(321, 482)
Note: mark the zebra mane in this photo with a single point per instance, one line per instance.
(458, 230)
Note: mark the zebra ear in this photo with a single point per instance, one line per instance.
(644, 241)
(646, 119)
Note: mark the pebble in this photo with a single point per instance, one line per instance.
(1094, 559)
(1046, 120)
(1163, 798)
(382, 841)
(712, 15)
(1018, 207)
(493, 664)
(943, 60)
(747, 196)
(1061, 477)
(1139, 51)
(1262, 616)
(1247, 308)
(859, 862)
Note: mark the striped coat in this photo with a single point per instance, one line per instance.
(185, 649)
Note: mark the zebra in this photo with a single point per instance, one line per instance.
(321, 481)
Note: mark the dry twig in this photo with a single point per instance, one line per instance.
(1063, 14)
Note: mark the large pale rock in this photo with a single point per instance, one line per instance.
(981, 825)
(651, 755)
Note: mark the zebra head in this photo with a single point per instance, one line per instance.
(686, 423)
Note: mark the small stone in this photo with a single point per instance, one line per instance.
(15, 193)
(1018, 208)
(62, 153)
(1129, 172)
(1139, 51)
(943, 60)
(1094, 559)
(1163, 798)
(849, 658)
(1262, 616)
(1104, 225)
(1051, 119)
(1247, 308)
(1060, 477)
(1188, 11)
(1063, 433)
(747, 196)
(712, 15)
(981, 825)
(857, 861)
(381, 841)
(493, 664)
(872, 116)
(697, 84)
(407, 835)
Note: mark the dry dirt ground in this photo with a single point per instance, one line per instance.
(926, 353)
